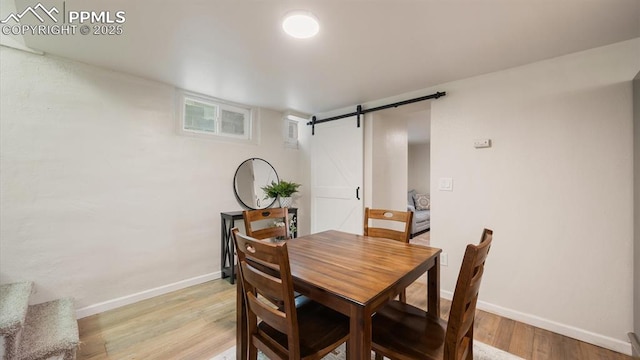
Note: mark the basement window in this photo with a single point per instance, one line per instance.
(205, 116)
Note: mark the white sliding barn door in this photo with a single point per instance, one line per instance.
(336, 176)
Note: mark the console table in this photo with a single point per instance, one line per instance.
(228, 222)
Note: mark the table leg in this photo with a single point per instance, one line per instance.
(433, 289)
(223, 245)
(241, 324)
(227, 262)
(232, 253)
(359, 334)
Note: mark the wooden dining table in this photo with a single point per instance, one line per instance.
(354, 275)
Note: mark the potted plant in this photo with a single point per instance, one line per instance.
(281, 190)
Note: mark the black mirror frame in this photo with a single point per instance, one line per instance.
(235, 190)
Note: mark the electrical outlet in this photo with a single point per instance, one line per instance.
(444, 259)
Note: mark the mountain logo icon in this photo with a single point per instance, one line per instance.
(34, 11)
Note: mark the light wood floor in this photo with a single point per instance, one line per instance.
(199, 322)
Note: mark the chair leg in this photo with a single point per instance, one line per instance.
(253, 352)
(347, 345)
(403, 296)
(470, 346)
(378, 356)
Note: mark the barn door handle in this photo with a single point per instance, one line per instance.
(358, 193)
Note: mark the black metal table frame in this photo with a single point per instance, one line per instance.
(227, 250)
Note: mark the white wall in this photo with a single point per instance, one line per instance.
(388, 144)
(419, 171)
(101, 198)
(368, 160)
(556, 187)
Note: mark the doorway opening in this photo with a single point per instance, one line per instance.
(398, 160)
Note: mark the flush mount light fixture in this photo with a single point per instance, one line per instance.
(300, 24)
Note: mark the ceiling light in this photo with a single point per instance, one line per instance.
(300, 24)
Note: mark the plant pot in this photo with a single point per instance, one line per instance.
(285, 201)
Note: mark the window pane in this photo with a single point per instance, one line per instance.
(293, 130)
(232, 122)
(209, 117)
(199, 116)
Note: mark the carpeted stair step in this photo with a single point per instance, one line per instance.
(14, 302)
(51, 330)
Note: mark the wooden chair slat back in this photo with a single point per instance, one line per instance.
(272, 316)
(459, 335)
(276, 214)
(386, 233)
(487, 235)
(404, 217)
(264, 269)
(270, 286)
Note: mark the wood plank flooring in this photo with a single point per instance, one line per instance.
(198, 322)
(194, 323)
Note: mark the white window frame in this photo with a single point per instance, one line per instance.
(248, 112)
(296, 118)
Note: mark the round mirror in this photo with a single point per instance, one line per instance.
(251, 176)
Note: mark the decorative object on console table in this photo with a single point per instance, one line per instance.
(283, 190)
(227, 222)
(248, 181)
(285, 201)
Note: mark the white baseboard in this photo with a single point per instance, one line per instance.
(143, 295)
(563, 329)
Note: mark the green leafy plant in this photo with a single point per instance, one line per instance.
(282, 189)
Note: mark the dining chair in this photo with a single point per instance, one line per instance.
(401, 218)
(402, 331)
(308, 331)
(261, 223)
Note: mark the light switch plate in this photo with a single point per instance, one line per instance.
(445, 184)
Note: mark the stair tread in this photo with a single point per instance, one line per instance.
(50, 328)
(14, 301)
